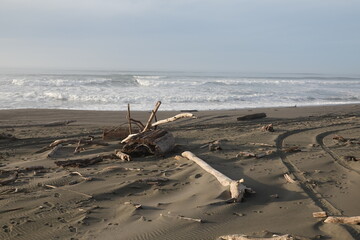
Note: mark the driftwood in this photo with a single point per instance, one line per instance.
(172, 119)
(339, 138)
(182, 217)
(122, 156)
(344, 220)
(252, 116)
(268, 128)
(288, 178)
(319, 214)
(237, 190)
(52, 153)
(244, 237)
(292, 149)
(79, 162)
(153, 113)
(58, 123)
(82, 176)
(157, 142)
(350, 158)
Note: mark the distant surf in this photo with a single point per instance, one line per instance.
(177, 90)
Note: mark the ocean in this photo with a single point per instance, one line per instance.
(100, 90)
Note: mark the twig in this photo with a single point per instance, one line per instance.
(129, 118)
(244, 237)
(82, 176)
(182, 218)
(148, 124)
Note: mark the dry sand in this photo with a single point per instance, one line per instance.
(52, 203)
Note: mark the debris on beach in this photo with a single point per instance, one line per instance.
(268, 128)
(150, 140)
(245, 237)
(343, 220)
(237, 189)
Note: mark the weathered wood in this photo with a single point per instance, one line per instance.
(244, 237)
(268, 128)
(129, 118)
(157, 142)
(79, 162)
(252, 116)
(344, 220)
(153, 113)
(58, 123)
(53, 152)
(288, 178)
(237, 190)
(122, 156)
(174, 118)
(182, 217)
(292, 149)
(319, 214)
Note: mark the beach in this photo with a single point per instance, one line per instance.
(170, 196)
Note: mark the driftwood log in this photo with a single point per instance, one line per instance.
(158, 142)
(252, 116)
(237, 189)
(344, 220)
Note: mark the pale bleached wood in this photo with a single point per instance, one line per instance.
(182, 217)
(122, 156)
(152, 115)
(288, 178)
(237, 190)
(174, 118)
(82, 176)
(345, 220)
(319, 214)
(54, 151)
(128, 138)
(244, 237)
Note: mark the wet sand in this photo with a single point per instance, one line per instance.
(143, 198)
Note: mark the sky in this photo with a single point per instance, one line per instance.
(279, 36)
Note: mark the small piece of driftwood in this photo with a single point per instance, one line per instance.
(79, 162)
(262, 144)
(53, 151)
(152, 115)
(339, 138)
(122, 156)
(245, 237)
(292, 149)
(172, 119)
(252, 116)
(350, 158)
(268, 128)
(237, 189)
(82, 176)
(344, 220)
(319, 214)
(129, 118)
(58, 123)
(182, 217)
(288, 178)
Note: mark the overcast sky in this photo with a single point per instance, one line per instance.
(299, 36)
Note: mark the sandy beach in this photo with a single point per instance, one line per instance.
(162, 197)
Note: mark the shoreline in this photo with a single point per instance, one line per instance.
(142, 198)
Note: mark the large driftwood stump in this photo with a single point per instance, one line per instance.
(251, 116)
(157, 142)
(237, 189)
